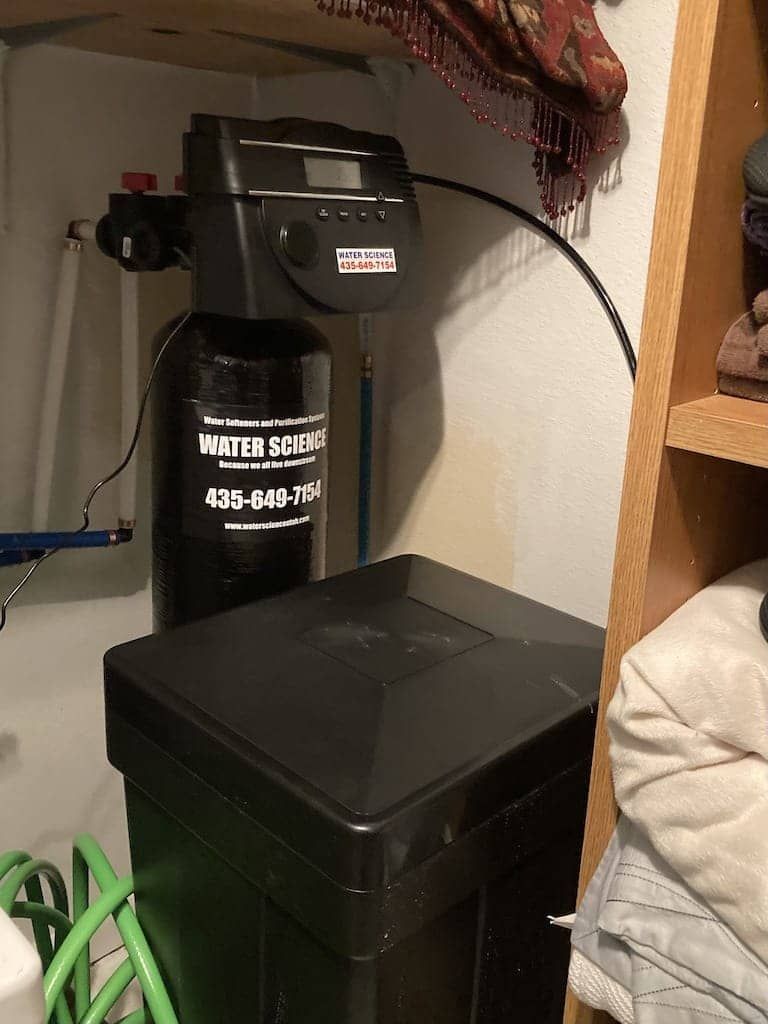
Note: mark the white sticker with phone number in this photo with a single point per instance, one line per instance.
(366, 261)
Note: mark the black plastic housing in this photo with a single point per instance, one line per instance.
(145, 232)
(264, 241)
(379, 780)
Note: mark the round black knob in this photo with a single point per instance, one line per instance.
(299, 243)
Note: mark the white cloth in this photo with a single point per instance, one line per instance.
(646, 933)
(595, 988)
(689, 746)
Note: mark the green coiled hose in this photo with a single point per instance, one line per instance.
(66, 959)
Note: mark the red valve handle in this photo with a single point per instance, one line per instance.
(139, 181)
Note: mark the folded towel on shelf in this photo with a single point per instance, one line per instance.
(689, 746)
(642, 931)
(742, 369)
(760, 310)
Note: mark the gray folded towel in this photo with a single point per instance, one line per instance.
(649, 932)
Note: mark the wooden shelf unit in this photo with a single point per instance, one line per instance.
(695, 499)
(721, 426)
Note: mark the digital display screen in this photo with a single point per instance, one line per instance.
(324, 173)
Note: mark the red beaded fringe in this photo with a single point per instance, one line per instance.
(563, 145)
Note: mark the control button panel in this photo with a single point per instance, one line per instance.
(346, 265)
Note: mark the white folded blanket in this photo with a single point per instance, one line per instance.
(689, 746)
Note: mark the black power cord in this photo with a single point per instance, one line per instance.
(565, 247)
(584, 269)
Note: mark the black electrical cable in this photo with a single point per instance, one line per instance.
(423, 179)
(581, 265)
(565, 247)
(104, 480)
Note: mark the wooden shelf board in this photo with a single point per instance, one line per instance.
(183, 31)
(725, 427)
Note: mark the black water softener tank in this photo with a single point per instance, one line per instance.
(357, 802)
(277, 220)
(354, 802)
(240, 417)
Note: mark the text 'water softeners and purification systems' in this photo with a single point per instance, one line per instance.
(354, 801)
(281, 220)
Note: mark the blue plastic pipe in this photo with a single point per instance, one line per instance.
(19, 557)
(364, 474)
(18, 542)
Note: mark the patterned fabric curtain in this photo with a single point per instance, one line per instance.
(536, 70)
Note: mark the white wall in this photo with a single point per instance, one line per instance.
(501, 405)
(76, 121)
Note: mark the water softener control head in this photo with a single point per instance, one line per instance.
(295, 218)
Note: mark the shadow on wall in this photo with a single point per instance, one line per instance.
(441, 138)
(411, 415)
(605, 175)
(471, 250)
